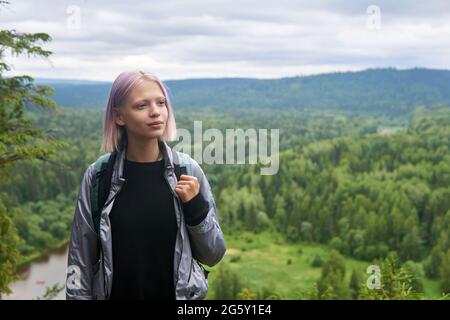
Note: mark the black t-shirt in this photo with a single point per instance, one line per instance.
(144, 230)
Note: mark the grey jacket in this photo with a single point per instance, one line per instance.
(90, 273)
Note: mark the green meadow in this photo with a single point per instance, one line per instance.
(266, 260)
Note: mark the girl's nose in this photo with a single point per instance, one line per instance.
(154, 111)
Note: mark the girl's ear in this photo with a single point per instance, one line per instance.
(118, 117)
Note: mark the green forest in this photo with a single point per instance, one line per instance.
(342, 183)
(356, 186)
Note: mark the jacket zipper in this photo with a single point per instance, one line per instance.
(191, 270)
(181, 253)
(103, 260)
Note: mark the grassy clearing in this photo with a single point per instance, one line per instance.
(267, 260)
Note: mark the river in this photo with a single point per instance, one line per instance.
(39, 274)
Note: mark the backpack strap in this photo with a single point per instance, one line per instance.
(101, 185)
(181, 163)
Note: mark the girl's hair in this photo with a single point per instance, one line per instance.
(114, 136)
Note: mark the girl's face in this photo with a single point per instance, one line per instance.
(145, 106)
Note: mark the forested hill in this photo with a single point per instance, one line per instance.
(380, 90)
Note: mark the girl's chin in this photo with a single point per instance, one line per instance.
(148, 134)
(153, 136)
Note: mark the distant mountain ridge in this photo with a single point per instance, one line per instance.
(381, 90)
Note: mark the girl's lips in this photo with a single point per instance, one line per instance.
(156, 125)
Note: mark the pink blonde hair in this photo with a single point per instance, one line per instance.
(114, 136)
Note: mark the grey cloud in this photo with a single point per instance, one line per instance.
(201, 34)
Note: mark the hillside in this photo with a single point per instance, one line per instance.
(389, 91)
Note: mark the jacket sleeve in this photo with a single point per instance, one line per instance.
(82, 245)
(207, 240)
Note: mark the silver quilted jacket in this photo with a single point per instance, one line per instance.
(90, 273)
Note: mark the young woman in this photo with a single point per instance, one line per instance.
(153, 229)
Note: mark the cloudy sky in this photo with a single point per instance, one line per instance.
(97, 40)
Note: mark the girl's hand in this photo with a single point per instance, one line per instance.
(187, 188)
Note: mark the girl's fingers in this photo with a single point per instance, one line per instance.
(186, 183)
(186, 177)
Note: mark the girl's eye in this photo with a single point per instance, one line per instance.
(162, 102)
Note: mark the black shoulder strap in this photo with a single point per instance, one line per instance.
(176, 162)
(180, 165)
(104, 176)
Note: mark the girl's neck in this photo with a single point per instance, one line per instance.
(145, 151)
